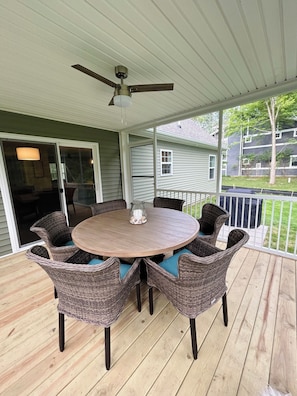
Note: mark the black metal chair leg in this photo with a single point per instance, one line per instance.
(61, 332)
(138, 297)
(225, 309)
(194, 338)
(151, 300)
(107, 347)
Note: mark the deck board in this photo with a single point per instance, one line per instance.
(151, 355)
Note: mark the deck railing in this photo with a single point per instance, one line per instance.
(270, 220)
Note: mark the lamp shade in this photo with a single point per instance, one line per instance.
(122, 100)
(28, 153)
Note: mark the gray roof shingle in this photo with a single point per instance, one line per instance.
(189, 130)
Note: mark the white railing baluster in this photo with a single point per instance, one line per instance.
(271, 235)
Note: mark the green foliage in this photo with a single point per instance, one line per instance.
(265, 156)
(210, 122)
(254, 116)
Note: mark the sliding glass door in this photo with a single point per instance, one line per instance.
(33, 183)
(78, 182)
(44, 177)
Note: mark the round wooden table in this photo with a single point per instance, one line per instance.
(111, 234)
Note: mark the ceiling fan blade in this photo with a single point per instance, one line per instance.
(151, 87)
(95, 75)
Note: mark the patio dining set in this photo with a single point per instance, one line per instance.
(95, 266)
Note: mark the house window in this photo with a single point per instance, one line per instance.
(278, 135)
(245, 161)
(258, 165)
(212, 165)
(293, 160)
(248, 139)
(166, 162)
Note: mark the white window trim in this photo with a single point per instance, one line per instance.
(161, 163)
(248, 139)
(291, 160)
(212, 167)
(295, 133)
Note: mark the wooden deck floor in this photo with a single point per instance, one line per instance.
(151, 355)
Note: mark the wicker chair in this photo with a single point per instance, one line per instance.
(108, 206)
(91, 293)
(54, 231)
(211, 221)
(170, 203)
(195, 278)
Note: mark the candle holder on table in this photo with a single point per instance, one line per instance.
(138, 213)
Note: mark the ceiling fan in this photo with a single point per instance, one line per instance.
(122, 92)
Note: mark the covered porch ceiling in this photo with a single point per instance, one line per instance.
(218, 53)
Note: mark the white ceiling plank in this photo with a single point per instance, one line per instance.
(216, 52)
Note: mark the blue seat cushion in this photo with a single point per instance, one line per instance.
(69, 243)
(124, 268)
(201, 233)
(95, 261)
(170, 264)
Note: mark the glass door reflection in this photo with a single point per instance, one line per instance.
(78, 182)
(33, 184)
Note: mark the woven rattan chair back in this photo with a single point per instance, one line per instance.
(108, 206)
(201, 280)
(211, 221)
(91, 293)
(54, 231)
(170, 203)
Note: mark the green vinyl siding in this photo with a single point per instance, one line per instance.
(110, 167)
(5, 245)
(108, 144)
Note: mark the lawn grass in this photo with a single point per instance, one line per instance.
(281, 183)
(284, 213)
(283, 226)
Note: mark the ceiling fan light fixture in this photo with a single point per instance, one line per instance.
(122, 100)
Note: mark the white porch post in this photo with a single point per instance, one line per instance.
(126, 167)
(155, 161)
(219, 157)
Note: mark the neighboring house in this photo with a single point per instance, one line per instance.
(186, 159)
(79, 165)
(249, 154)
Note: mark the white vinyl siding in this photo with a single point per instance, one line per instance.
(142, 166)
(190, 168)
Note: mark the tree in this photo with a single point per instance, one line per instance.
(262, 116)
(210, 121)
